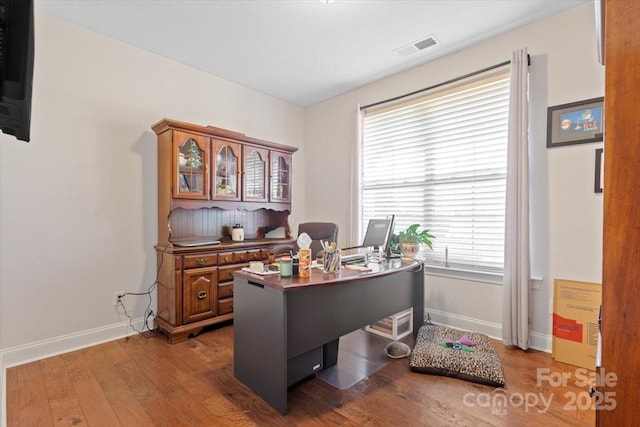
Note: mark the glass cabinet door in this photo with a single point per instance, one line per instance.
(226, 161)
(254, 173)
(280, 177)
(190, 156)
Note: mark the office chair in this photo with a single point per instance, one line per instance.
(326, 231)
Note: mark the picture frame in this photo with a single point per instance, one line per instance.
(575, 123)
(599, 173)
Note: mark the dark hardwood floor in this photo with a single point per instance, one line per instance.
(145, 381)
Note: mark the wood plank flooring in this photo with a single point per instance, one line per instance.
(145, 381)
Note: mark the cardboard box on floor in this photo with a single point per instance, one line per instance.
(575, 322)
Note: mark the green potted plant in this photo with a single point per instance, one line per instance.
(410, 239)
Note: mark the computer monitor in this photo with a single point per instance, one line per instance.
(387, 250)
(379, 232)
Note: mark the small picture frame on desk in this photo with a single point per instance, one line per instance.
(575, 123)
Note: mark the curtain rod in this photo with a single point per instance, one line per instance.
(442, 84)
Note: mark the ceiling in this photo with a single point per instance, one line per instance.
(301, 51)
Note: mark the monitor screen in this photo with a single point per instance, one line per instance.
(378, 232)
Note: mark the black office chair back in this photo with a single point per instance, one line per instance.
(325, 231)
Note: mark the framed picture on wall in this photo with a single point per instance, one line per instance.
(599, 181)
(575, 123)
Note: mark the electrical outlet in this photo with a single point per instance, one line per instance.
(116, 297)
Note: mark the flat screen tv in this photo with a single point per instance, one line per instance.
(16, 67)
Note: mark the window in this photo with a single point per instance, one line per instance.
(440, 160)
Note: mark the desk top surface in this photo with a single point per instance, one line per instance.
(319, 278)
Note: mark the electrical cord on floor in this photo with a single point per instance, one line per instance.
(147, 312)
(146, 320)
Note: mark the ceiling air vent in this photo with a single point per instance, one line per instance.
(417, 46)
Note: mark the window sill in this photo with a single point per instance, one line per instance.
(460, 274)
(474, 276)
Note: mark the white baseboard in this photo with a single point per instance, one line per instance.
(537, 341)
(456, 321)
(542, 342)
(52, 347)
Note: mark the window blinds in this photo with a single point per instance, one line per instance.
(440, 161)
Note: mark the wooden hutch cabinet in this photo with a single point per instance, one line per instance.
(208, 180)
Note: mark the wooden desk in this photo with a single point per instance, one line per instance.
(288, 329)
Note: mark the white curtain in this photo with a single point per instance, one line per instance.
(356, 205)
(515, 313)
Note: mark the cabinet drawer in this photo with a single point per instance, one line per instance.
(246, 256)
(243, 256)
(199, 294)
(197, 261)
(225, 290)
(225, 258)
(225, 306)
(225, 274)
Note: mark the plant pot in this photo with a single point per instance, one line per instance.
(409, 250)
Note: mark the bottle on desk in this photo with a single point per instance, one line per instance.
(304, 268)
(296, 266)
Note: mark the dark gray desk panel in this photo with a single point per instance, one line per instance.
(318, 315)
(259, 353)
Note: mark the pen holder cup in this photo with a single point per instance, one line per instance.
(331, 261)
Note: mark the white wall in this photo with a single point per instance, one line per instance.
(566, 213)
(79, 202)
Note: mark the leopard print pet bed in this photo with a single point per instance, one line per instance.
(438, 352)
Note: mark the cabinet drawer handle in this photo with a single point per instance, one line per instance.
(202, 294)
(201, 261)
